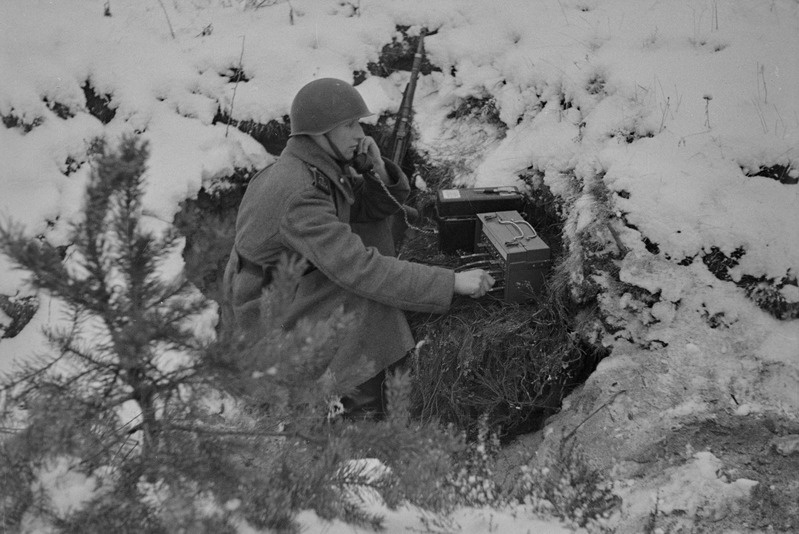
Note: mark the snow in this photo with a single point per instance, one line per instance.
(66, 487)
(30, 342)
(712, 496)
(476, 520)
(705, 91)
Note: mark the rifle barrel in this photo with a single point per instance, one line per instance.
(403, 128)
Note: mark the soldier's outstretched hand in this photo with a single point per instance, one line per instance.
(474, 283)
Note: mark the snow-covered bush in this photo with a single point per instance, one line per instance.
(569, 488)
(473, 476)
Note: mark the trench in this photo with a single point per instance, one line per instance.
(485, 361)
(509, 365)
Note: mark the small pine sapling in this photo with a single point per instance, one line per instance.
(214, 431)
(128, 343)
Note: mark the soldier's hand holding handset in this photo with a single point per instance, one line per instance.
(368, 155)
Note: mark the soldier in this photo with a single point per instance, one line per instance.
(304, 205)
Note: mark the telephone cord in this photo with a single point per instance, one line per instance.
(372, 175)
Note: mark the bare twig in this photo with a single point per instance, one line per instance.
(254, 4)
(665, 110)
(562, 10)
(235, 86)
(714, 25)
(779, 119)
(761, 77)
(603, 405)
(171, 31)
(708, 98)
(760, 115)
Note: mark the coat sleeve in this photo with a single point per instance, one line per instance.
(372, 200)
(311, 227)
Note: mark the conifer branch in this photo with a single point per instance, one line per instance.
(27, 375)
(253, 433)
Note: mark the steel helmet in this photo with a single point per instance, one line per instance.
(323, 104)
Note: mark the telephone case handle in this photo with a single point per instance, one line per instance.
(530, 226)
(515, 225)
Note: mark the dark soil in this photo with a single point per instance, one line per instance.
(746, 446)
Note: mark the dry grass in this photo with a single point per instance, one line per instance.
(510, 362)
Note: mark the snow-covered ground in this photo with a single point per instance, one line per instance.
(671, 106)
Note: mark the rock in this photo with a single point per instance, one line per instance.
(786, 445)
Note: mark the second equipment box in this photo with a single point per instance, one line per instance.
(457, 209)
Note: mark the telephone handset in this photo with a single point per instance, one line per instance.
(361, 163)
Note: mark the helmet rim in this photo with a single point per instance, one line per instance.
(324, 104)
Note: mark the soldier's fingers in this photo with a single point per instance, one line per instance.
(373, 147)
(486, 281)
(481, 291)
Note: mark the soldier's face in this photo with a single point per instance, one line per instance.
(347, 137)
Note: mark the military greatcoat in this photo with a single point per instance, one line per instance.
(305, 204)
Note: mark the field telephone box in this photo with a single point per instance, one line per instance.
(457, 209)
(518, 258)
(485, 228)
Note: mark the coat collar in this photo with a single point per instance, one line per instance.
(305, 149)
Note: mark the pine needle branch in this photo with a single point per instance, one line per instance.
(252, 433)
